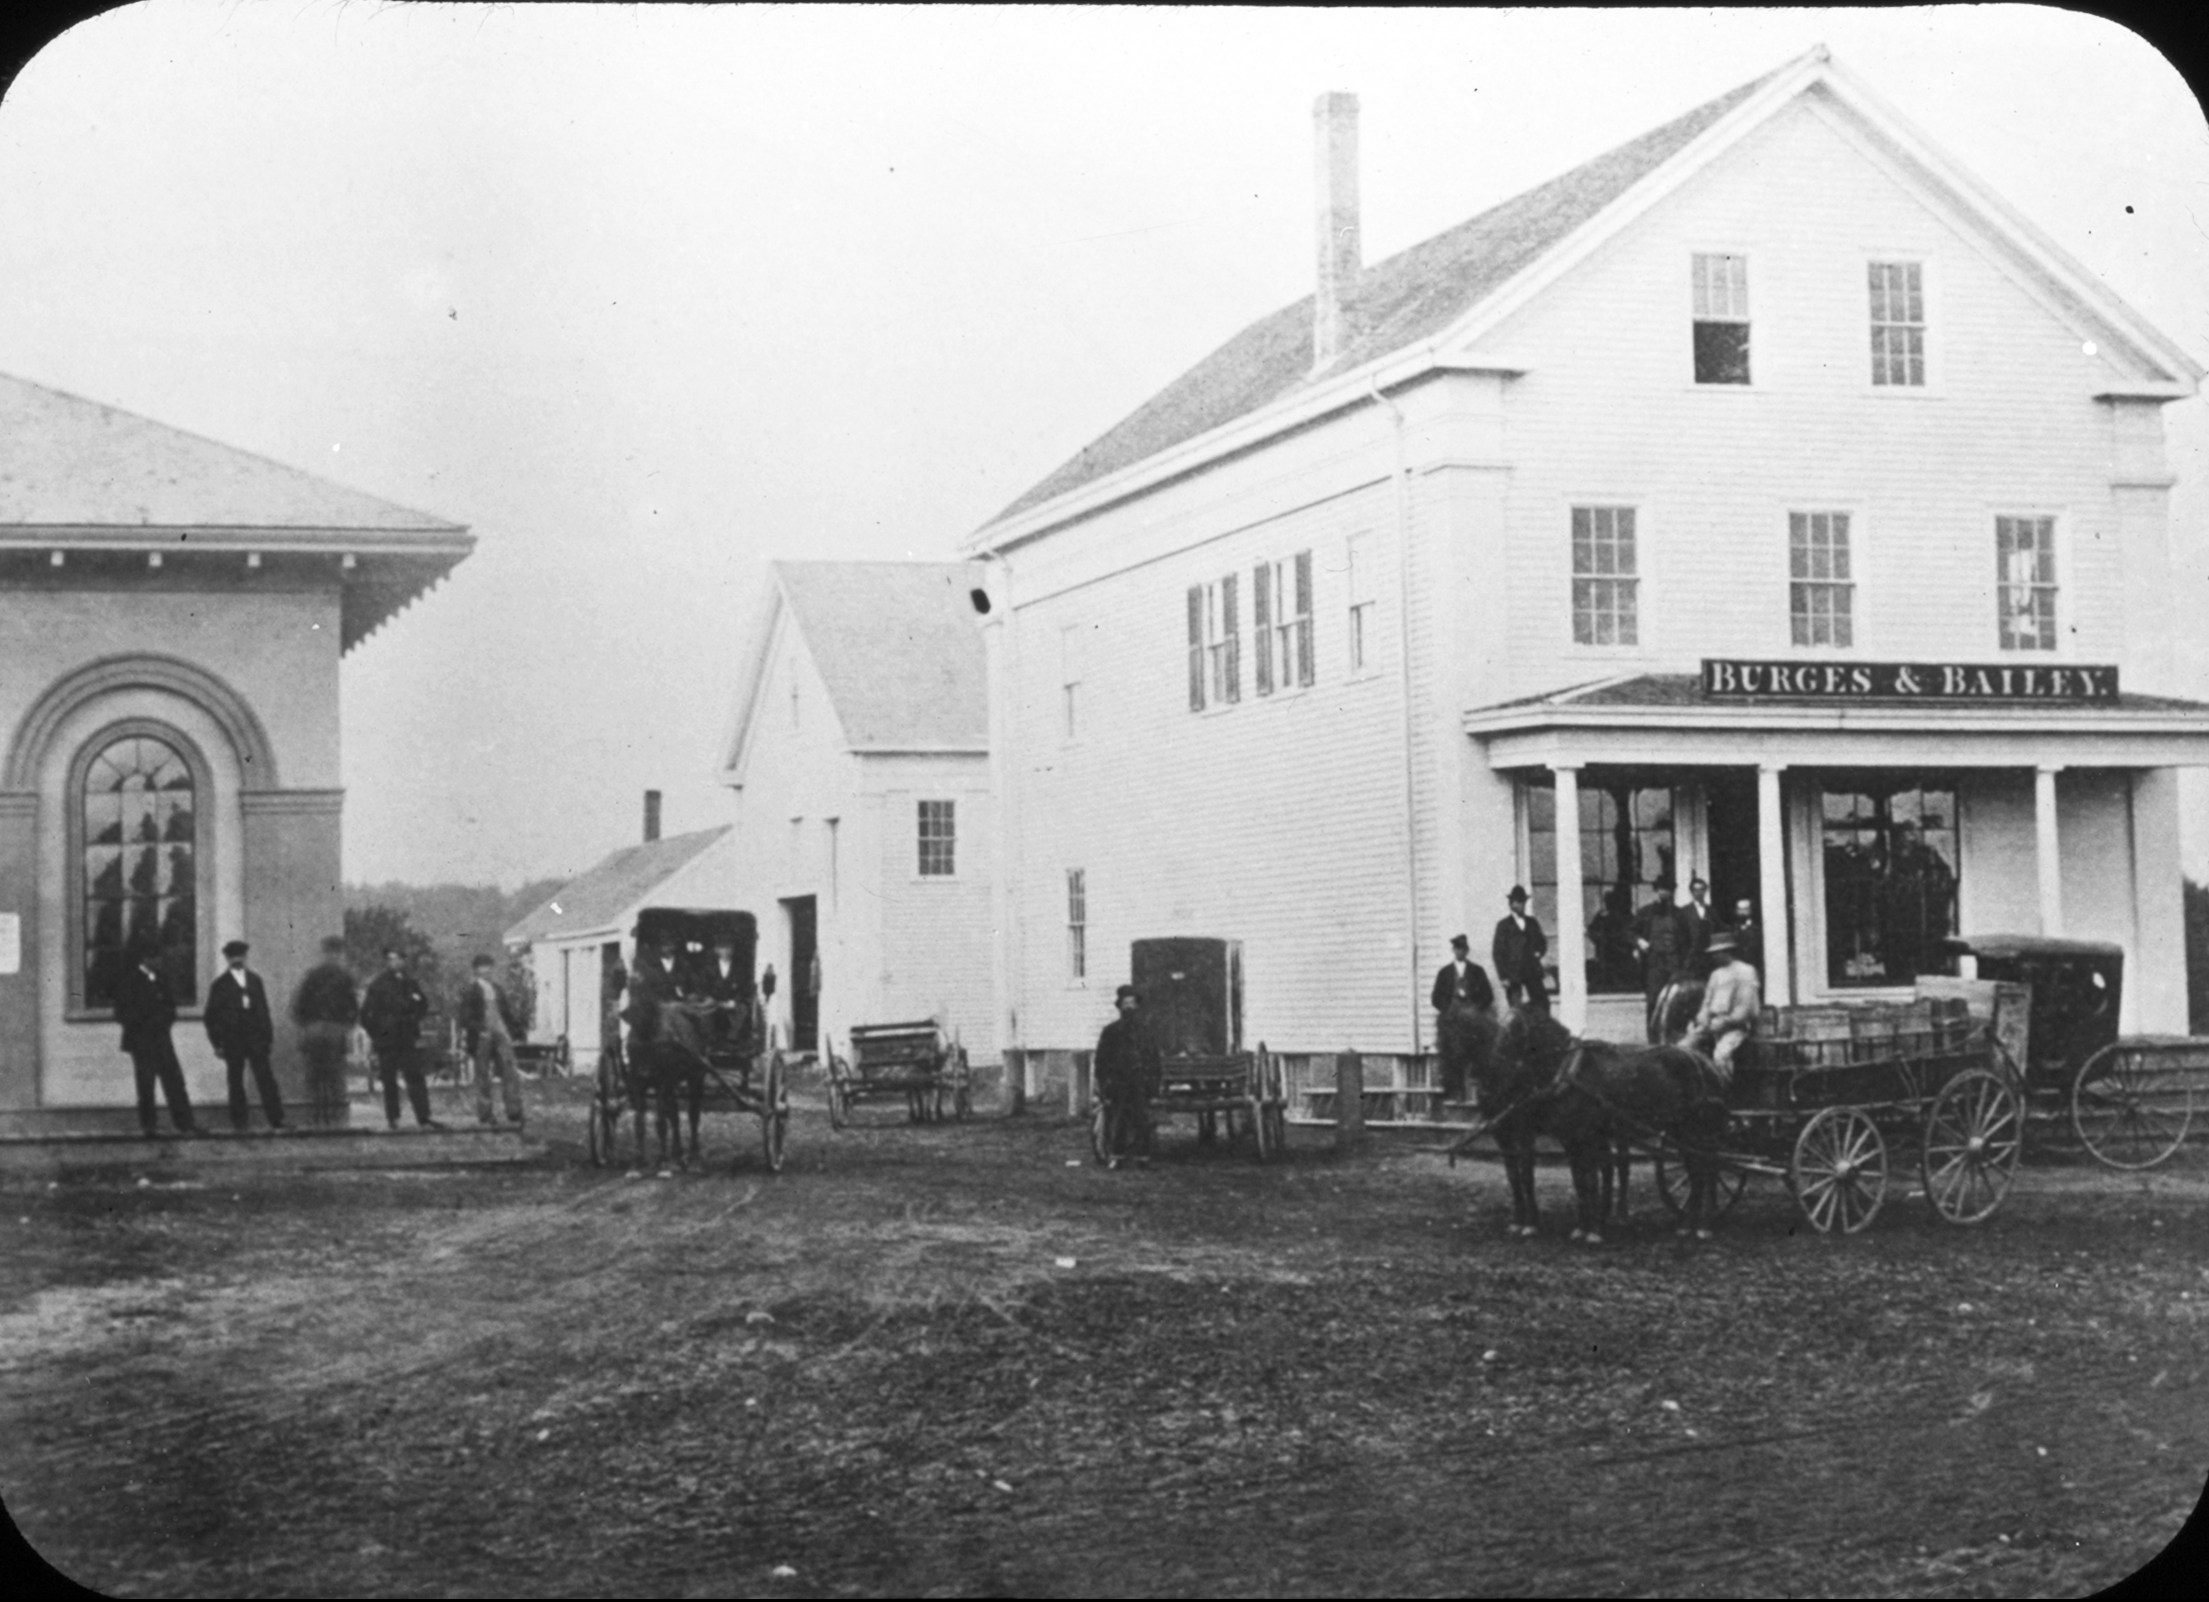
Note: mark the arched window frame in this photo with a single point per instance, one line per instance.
(203, 855)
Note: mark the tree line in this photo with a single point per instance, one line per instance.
(442, 929)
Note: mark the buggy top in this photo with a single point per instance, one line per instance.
(696, 930)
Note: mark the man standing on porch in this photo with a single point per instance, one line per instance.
(1518, 948)
(1660, 935)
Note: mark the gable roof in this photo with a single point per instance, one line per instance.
(77, 476)
(896, 645)
(1434, 290)
(601, 898)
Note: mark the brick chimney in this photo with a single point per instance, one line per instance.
(651, 816)
(1335, 142)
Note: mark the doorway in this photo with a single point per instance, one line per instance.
(1735, 863)
(805, 975)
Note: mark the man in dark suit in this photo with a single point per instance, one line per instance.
(1660, 936)
(490, 1024)
(1748, 934)
(1518, 949)
(392, 1012)
(721, 980)
(146, 1009)
(242, 1032)
(1126, 1066)
(1697, 921)
(325, 1009)
(1462, 983)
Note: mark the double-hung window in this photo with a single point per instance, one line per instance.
(1069, 668)
(1604, 576)
(1358, 559)
(1077, 924)
(1215, 645)
(1820, 593)
(1898, 324)
(939, 838)
(2025, 582)
(1721, 319)
(1281, 615)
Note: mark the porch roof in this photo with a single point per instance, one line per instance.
(1645, 718)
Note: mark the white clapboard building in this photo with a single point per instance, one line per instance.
(580, 942)
(858, 754)
(1764, 498)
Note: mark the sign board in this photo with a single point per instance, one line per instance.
(2041, 683)
(11, 942)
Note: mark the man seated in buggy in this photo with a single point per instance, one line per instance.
(1732, 999)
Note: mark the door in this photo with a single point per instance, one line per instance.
(805, 975)
(1735, 866)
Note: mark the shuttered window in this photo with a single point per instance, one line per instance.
(1281, 617)
(1196, 648)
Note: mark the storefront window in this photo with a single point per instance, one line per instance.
(1890, 882)
(1627, 844)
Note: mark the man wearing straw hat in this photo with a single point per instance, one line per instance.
(1731, 1001)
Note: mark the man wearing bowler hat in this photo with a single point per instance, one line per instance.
(1126, 1067)
(242, 1032)
(1461, 983)
(1518, 949)
(146, 1008)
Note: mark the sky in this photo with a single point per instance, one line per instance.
(650, 296)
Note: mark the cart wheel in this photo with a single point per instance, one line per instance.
(774, 1112)
(601, 1138)
(1840, 1170)
(1100, 1134)
(1733, 1183)
(2125, 1112)
(1973, 1137)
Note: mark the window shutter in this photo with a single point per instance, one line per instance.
(1304, 617)
(1196, 648)
(1231, 628)
(1261, 617)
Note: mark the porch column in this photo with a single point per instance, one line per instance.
(1572, 929)
(2046, 857)
(1771, 855)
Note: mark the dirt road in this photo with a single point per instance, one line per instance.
(960, 1361)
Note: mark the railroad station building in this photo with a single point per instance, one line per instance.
(1763, 499)
(857, 754)
(173, 616)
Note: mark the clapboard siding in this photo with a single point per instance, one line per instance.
(1609, 412)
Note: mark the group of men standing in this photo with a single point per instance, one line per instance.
(241, 1027)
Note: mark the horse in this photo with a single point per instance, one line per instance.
(1474, 1034)
(1591, 1097)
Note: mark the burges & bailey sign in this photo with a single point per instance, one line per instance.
(1906, 681)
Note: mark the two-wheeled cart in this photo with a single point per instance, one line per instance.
(916, 1063)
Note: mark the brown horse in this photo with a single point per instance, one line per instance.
(1591, 1097)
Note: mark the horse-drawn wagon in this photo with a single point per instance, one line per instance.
(699, 1039)
(1190, 998)
(916, 1063)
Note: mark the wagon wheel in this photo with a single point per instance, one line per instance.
(1262, 1128)
(1840, 1170)
(2127, 1114)
(962, 1093)
(1671, 1169)
(774, 1111)
(839, 1092)
(1973, 1137)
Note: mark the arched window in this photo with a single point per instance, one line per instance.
(140, 866)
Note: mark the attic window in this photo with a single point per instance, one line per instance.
(1721, 319)
(1898, 323)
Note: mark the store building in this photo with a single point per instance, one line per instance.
(1764, 495)
(858, 754)
(172, 614)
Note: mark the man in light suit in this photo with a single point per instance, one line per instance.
(243, 1033)
(1518, 949)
